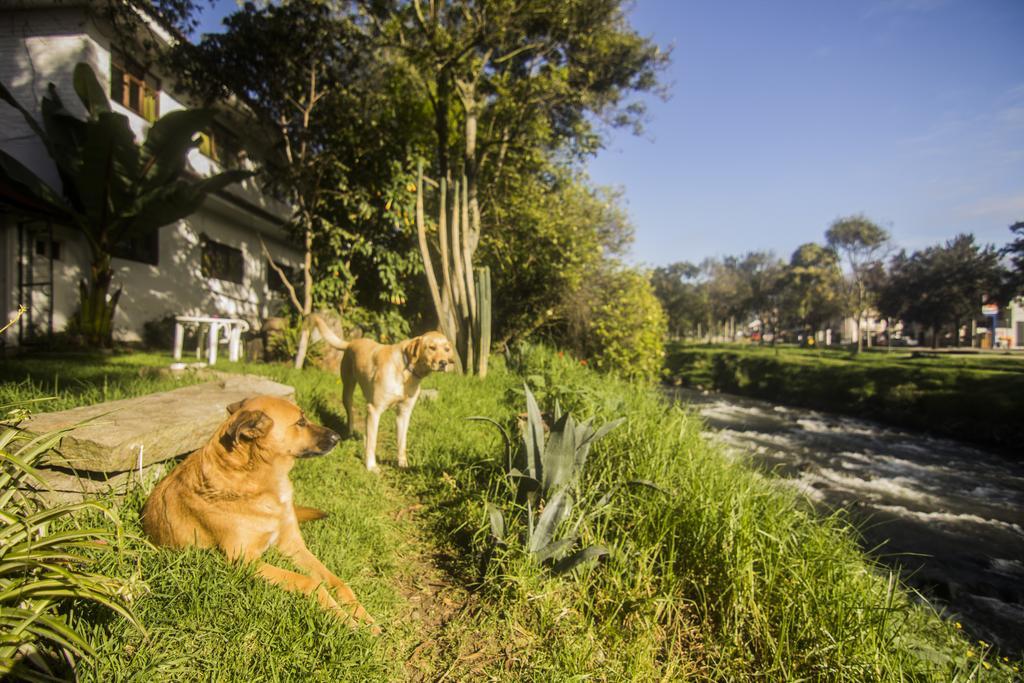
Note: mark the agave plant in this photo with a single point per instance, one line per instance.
(546, 478)
(44, 561)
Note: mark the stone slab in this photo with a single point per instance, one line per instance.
(157, 426)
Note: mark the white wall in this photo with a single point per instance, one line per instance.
(42, 46)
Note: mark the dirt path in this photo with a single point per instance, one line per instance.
(437, 607)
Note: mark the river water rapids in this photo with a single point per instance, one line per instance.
(950, 515)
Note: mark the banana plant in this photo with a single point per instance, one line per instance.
(112, 188)
(545, 475)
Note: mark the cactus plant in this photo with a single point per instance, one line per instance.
(463, 309)
(483, 319)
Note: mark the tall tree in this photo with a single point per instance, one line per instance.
(113, 189)
(861, 243)
(1015, 250)
(812, 286)
(678, 287)
(764, 273)
(942, 287)
(311, 76)
(513, 83)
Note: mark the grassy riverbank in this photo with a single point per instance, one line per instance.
(971, 397)
(723, 574)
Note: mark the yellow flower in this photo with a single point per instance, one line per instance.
(410, 187)
(982, 643)
(970, 653)
(986, 665)
(958, 624)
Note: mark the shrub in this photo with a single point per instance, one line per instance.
(617, 322)
(44, 563)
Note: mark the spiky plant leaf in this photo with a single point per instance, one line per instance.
(588, 554)
(556, 549)
(558, 460)
(42, 569)
(556, 510)
(497, 523)
(533, 435)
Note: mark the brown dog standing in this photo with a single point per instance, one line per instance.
(234, 494)
(389, 375)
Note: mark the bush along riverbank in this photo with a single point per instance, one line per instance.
(717, 573)
(973, 398)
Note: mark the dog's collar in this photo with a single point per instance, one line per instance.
(409, 367)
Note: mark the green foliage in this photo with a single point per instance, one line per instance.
(1015, 250)
(283, 344)
(350, 122)
(617, 323)
(556, 230)
(387, 326)
(936, 395)
(113, 189)
(942, 286)
(46, 562)
(812, 286)
(862, 243)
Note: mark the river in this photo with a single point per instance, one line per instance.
(949, 514)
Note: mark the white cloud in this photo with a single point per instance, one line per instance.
(1005, 207)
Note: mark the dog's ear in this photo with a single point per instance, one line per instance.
(250, 425)
(233, 408)
(413, 347)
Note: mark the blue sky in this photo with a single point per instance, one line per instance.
(787, 114)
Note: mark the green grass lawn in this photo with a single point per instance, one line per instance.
(722, 575)
(977, 398)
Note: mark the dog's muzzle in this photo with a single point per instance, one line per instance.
(326, 441)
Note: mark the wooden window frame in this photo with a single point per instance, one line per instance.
(143, 249)
(133, 88)
(222, 261)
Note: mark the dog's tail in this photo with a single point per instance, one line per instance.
(328, 334)
(304, 514)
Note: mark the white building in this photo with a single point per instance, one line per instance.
(209, 264)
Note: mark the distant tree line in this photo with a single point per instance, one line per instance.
(853, 273)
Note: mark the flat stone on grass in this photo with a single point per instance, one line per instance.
(160, 426)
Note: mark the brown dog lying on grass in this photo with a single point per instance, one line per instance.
(389, 375)
(234, 494)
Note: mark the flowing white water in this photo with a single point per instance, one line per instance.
(949, 514)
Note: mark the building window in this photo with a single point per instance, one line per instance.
(132, 87)
(53, 251)
(144, 249)
(274, 282)
(218, 144)
(222, 262)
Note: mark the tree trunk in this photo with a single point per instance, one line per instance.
(444, 90)
(307, 297)
(96, 307)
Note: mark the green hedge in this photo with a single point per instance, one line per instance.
(975, 399)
